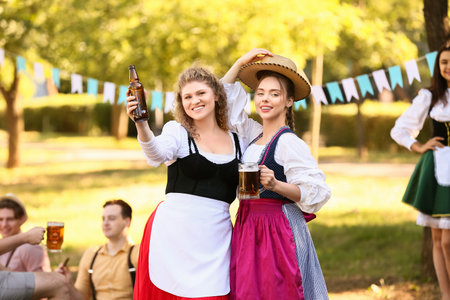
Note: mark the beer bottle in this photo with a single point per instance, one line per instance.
(137, 90)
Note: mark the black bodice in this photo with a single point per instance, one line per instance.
(196, 175)
(442, 129)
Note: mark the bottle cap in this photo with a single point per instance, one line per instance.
(131, 67)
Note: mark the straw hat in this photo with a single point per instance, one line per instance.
(279, 64)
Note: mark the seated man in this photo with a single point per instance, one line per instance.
(28, 285)
(27, 257)
(107, 272)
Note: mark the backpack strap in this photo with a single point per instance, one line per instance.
(131, 268)
(90, 273)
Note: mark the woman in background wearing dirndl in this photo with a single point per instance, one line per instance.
(429, 187)
(185, 250)
(273, 256)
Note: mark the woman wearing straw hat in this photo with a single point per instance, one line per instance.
(273, 256)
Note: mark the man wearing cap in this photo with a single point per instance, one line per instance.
(26, 257)
(107, 272)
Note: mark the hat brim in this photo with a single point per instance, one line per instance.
(247, 75)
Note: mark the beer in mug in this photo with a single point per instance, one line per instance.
(55, 236)
(248, 181)
(136, 89)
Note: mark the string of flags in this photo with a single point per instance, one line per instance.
(333, 89)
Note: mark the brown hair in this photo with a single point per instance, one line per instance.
(202, 75)
(287, 88)
(11, 203)
(126, 208)
(439, 86)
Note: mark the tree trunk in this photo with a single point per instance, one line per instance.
(14, 120)
(437, 28)
(317, 72)
(363, 152)
(119, 121)
(436, 22)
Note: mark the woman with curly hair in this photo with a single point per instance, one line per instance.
(185, 251)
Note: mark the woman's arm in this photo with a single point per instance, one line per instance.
(253, 55)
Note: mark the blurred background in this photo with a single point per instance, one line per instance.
(67, 145)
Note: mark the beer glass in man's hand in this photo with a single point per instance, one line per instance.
(248, 181)
(55, 236)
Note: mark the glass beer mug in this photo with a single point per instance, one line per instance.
(248, 181)
(55, 236)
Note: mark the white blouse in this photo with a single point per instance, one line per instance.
(410, 123)
(291, 152)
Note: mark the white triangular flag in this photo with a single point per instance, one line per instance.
(38, 72)
(247, 108)
(77, 83)
(381, 80)
(109, 92)
(412, 71)
(319, 95)
(170, 102)
(350, 89)
(2, 57)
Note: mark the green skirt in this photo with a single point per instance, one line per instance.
(423, 191)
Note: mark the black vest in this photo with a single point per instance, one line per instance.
(196, 175)
(441, 129)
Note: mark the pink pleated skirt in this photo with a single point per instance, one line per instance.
(263, 255)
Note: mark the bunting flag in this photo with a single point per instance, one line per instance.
(170, 102)
(300, 103)
(395, 74)
(412, 71)
(77, 83)
(381, 80)
(92, 87)
(157, 99)
(123, 89)
(21, 64)
(318, 94)
(431, 58)
(335, 92)
(2, 57)
(349, 87)
(55, 77)
(247, 107)
(109, 92)
(364, 85)
(38, 72)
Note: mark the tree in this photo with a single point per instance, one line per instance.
(436, 25)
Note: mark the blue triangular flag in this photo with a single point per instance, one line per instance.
(300, 103)
(21, 64)
(431, 58)
(364, 85)
(157, 98)
(122, 94)
(395, 74)
(55, 77)
(92, 87)
(335, 92)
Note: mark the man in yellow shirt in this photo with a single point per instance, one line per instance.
(107, 272)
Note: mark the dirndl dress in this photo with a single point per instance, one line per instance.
(272, 253)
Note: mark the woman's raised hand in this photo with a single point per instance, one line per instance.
(254, 55)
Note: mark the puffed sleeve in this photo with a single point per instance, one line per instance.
(408, 125)
(301, 169)
(164, 147)
(238, 119)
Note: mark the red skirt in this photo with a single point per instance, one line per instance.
(144, 289)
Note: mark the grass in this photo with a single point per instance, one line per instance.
(363, 235)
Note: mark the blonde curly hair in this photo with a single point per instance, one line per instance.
(202, 75)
